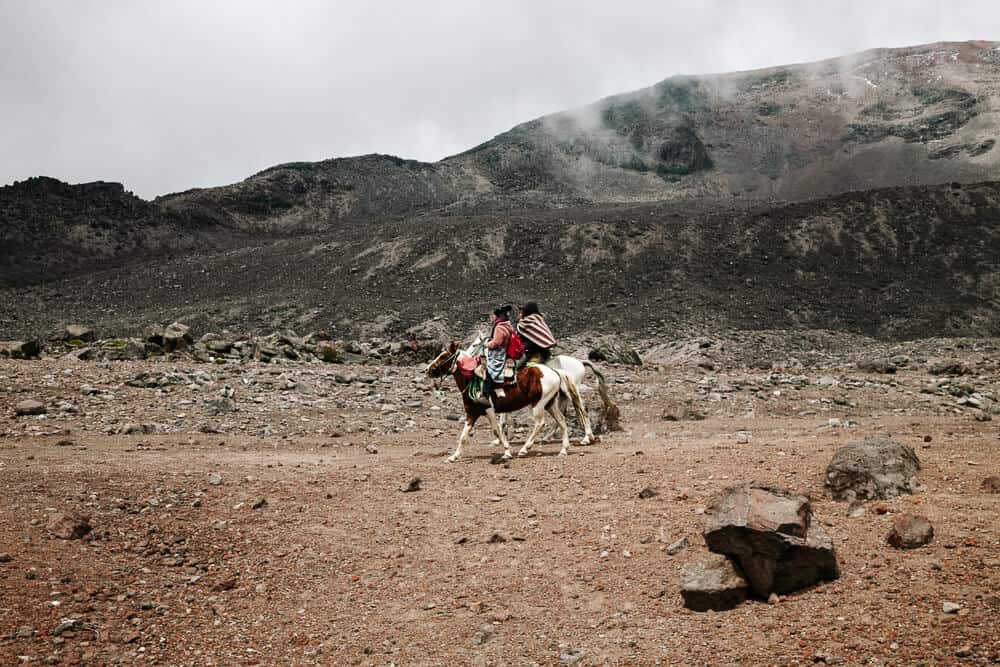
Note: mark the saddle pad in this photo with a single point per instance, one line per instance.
(467, 366)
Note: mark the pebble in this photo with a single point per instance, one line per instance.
(950, 607)
(678, 546)
(215, 479)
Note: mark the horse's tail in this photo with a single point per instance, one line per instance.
(612, 415)
(570, 389)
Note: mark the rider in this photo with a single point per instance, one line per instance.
(496, 352)
(535, 332)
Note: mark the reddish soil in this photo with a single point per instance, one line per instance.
(548, 561)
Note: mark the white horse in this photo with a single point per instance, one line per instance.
(576, 370)
(537, 387)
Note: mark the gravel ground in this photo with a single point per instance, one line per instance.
(308, 551)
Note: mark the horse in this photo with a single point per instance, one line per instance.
(576, 369)
(537, 387)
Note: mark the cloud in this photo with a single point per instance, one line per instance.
(170, 95)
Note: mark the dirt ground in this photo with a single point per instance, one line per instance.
(309, 553)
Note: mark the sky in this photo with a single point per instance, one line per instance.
(168, 95)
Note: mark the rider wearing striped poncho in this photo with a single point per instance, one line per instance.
(535, 332)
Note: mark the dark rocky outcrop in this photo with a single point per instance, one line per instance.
(770, 533)
(876, 467)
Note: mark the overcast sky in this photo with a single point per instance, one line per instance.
(173, 94)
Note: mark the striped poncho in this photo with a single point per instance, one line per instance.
(533, 328)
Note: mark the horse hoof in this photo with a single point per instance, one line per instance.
(585, 442)
(451, 459)
(507, 456)
(522, 453)
(562, 452)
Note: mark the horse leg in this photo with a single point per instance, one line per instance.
(581, 411)
(498, 432)
(469, 421)
(503, 427)
(538, 412)
(556, 412)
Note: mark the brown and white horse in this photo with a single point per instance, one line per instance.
(537, 387)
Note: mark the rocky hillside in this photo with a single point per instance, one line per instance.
(49, 229)
(921, 115)
(900, 262)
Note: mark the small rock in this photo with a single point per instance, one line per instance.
(856, 509)
(68, 526)
(496, 538)
(678, 546)
(647, 492)
(569, 655)
(485, 633)
(257, 504)
(773, 598)
(29, 407)
(371, 449)
(5, 558)
(66, 625)
(910, 531)
(964, 651)
(991, 484)
(950, 607)
(743, 437)
(215, 479)
(412, 485)
(227, 584)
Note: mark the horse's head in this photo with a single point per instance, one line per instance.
(444, 363)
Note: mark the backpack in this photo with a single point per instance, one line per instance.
(515, 346)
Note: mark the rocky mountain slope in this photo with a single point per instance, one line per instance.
(886, 117)
(898, 262)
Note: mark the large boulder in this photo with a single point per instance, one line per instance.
(770, 534)
(712, 583)
(171, 338)
(875, 467)
(80, 332)
(123, 349)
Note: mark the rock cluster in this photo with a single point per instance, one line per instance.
(279, 347)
